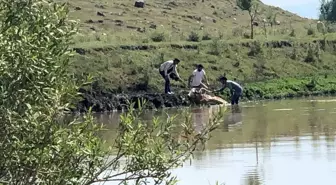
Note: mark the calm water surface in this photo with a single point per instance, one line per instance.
(289, 142)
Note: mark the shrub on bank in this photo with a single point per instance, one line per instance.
(158, 37)
(194, 37)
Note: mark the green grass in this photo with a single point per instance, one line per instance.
(219, 47)
(291, 87)
(176, 19)
(123, 70)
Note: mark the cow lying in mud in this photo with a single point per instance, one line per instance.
(200, 96)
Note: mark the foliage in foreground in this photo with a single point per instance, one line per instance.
(37, 145)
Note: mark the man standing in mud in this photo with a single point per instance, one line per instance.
(168, 70)
(236, 90)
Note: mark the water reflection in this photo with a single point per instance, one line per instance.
(271, 143)
(253, 177)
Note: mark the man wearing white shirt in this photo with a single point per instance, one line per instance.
(197, 76)
(168, 69)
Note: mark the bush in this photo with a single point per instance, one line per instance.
(259, 68)
(221, 35)
(246, 35)
(206, 36)
(310, 31)
(158, 37)
(312, 55)
(331, 28)
(237, 32)
(194, 37)
(292, 33)
(216, 48)
(295, 53)
(256, 49)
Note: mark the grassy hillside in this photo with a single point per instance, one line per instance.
(123, 45)
(119, 22)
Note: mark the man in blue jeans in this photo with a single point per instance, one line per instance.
(168, 70)
(236, 90)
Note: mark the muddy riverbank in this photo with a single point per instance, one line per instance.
(109, 101)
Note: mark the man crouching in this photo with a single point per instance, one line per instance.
(195, 79)
(236, 89)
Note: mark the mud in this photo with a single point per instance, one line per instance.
(107, 102)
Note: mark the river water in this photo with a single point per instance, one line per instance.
(288, 142)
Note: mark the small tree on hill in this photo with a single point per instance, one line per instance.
(252, 7)
(271, 18)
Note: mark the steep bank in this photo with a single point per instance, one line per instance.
(110, 101)
(269, 89)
